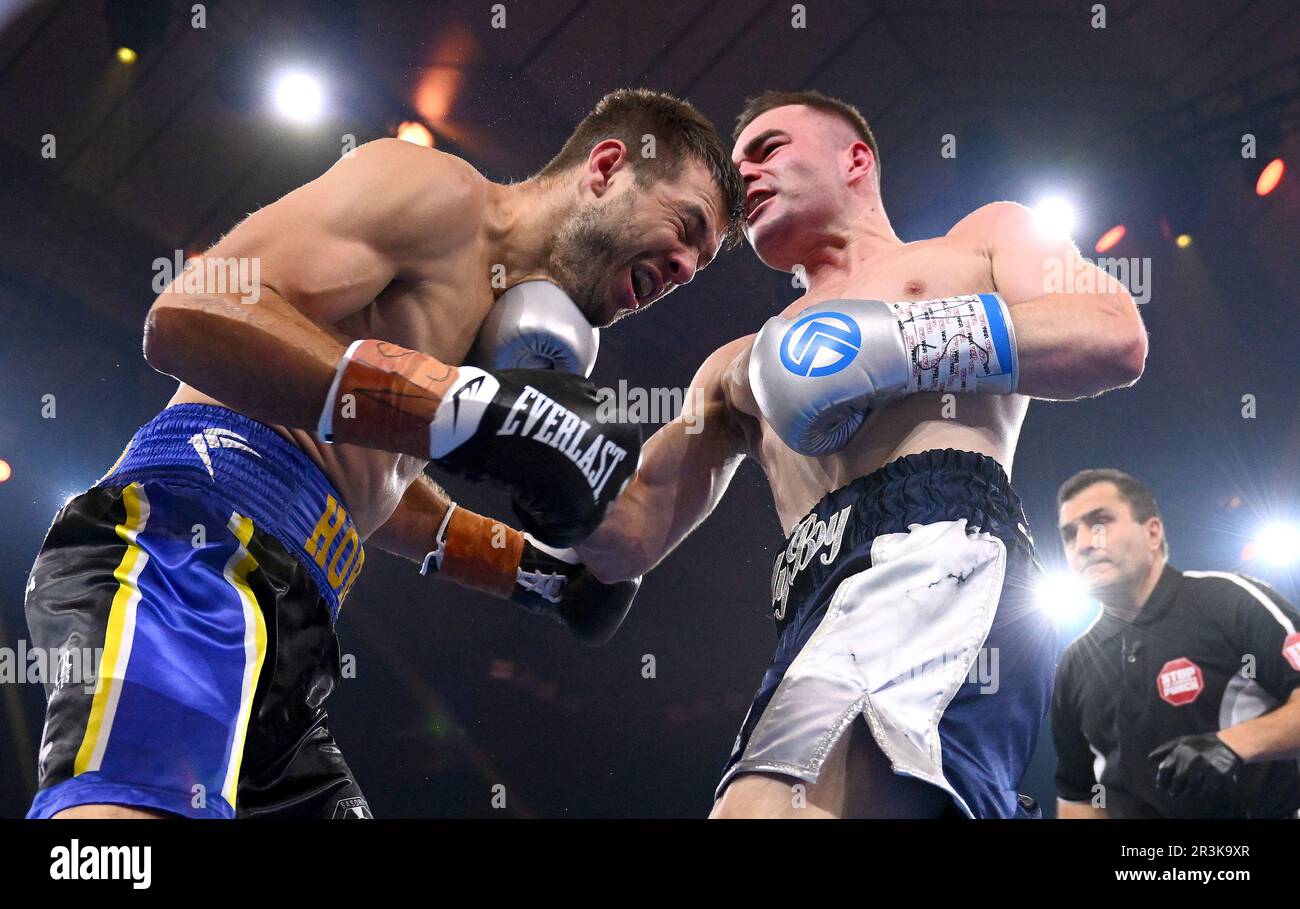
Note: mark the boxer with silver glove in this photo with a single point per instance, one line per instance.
(886, 431)
(818, 375)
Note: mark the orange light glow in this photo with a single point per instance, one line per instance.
(1110, 238)
(415, 133)
(1270, 177)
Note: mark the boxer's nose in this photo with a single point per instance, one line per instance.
(680, 267)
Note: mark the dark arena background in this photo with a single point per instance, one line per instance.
(129, 135)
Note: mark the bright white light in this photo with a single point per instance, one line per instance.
(1055, 216)
(1063, 596)
(1278, 543)
(299, 97)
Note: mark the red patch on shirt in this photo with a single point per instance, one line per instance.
(1291, 650)
(1180, 681)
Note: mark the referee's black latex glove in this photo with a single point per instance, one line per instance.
(1201, 765)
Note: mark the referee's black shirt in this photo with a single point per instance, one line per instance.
(1209, 650)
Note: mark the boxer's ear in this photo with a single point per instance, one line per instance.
(607, 158)
(861, 162)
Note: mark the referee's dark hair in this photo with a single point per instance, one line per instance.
(1141, 501)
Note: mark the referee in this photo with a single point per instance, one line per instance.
(1180, 700)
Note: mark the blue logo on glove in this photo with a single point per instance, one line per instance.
(820, 344)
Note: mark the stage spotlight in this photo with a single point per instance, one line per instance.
(128, 56)
(1110, 238)
(1063, 596)
(299, 97)
(1270, 177)
(1276, 544)
(415, 133)
(1183, 241)
(1055, 216)
(5, 470)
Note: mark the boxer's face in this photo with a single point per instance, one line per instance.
(1105, 545)
(637, 243)
(792, 160)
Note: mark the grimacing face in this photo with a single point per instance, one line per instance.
(793, 160)
(618, 254)
(1105, 546)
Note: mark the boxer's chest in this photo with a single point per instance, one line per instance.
(437, 313)
(925, 270)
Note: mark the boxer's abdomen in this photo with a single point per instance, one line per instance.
(986, 425)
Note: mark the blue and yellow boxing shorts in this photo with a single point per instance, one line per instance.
(205, 571)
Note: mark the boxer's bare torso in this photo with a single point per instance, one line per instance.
(436, 307)
(955, 264)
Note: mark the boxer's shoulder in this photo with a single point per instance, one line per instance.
(993, 216)
(993, 223)
(420, 185)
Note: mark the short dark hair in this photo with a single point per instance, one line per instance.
(680, 132)
(1141, 500)
(761, 104)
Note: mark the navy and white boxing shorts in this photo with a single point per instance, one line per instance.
(906, 597)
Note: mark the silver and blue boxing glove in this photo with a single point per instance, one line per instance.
(534, 325)
(818, 376)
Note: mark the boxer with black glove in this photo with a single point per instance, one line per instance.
(533, 325)
(538, 432)
(481, 554)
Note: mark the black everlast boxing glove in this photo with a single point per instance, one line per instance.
(482, 554)
(554, 584)
(538, 432)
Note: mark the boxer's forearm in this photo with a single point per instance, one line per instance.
(685, 468)
(1068, 811)
(411, 530)
(1078, 345)
(682, 477)
(266, 360)
(1275, 736)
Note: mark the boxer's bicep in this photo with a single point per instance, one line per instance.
(1026, 260)
(251, 324)
(1030, 262)
(1077, 329)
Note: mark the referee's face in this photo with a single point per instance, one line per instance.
(1105, 545)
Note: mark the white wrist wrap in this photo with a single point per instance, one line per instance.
(962, 344)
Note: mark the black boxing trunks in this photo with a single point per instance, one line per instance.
(206, 569)
(907, 597)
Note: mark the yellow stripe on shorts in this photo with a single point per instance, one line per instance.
(118, 636)
(240, 565)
